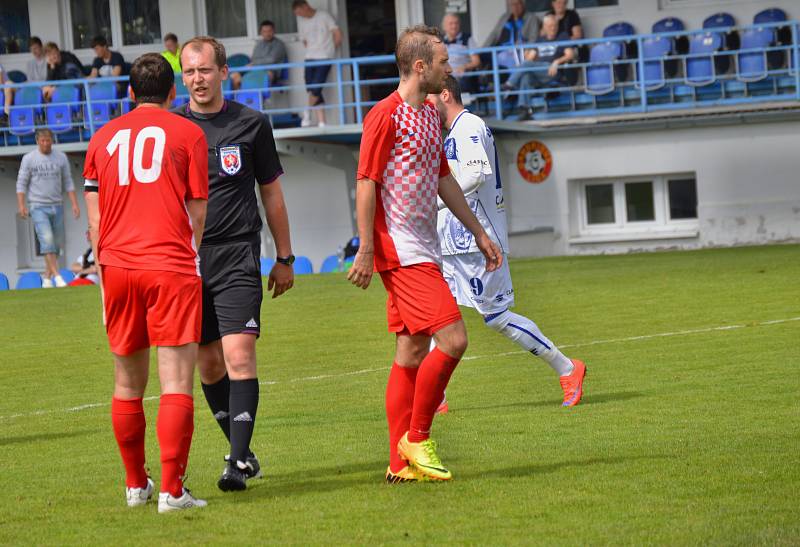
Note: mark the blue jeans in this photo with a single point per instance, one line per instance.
(48, 223)
(530, 75)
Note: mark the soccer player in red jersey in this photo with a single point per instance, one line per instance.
(402, 168)
(146, 191)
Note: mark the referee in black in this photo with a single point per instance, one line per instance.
(241, 152)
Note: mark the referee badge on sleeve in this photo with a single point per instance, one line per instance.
(230, 159)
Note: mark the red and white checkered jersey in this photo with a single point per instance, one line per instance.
(401, 150)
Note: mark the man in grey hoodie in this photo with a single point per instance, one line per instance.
(44, 175)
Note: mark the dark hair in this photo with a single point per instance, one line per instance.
(99, 41)
(34, 41)
(50, 46)
(452, 85)
(170, 36)
(196, 43)
(415, 43)
(152, 78)
(43, 131)
(265, 23)
(298, 4)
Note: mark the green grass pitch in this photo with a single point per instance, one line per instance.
(688, 433)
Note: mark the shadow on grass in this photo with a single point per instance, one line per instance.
(41, 437)
(540, 469)
(588, 400)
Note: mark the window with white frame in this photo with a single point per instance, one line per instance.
(15, 26)
(90, 18)
(655, 205)
(279, 12)
(226, 18)
(121, 22)
(141, 22)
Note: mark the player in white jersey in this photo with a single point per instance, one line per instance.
(472, 157)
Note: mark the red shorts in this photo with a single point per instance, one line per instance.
(150, 308)
(420, 302)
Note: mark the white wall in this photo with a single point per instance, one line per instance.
(747, 183)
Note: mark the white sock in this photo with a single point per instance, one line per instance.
(524, 332)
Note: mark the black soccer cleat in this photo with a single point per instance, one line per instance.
(232, 479)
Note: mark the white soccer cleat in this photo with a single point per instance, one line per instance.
(60, 281)
(139, 496)
(167, 503)
(47, 283)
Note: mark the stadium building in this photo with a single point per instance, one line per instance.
(674, 132)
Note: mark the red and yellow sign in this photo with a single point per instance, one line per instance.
(534, 162)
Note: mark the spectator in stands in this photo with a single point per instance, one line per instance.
(84, 266)
(569, 23)
(107, 63)
(542, 64)
(458, 45)
(61, 65)
(36, 68)
(514, 27)
(44, 176)
(8, 97)
(172, 53)
(321, 36)
(268, 50)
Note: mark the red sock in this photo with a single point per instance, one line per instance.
(175, 427)
(127, 417)
(399, 400)
(434, 374)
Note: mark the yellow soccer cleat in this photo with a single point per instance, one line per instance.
(423, 457)
(406, 474)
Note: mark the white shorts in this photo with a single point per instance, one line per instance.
(473, 286)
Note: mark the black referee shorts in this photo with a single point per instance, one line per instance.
(232, 290)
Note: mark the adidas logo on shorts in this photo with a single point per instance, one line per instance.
(252, 324)
(243, 417)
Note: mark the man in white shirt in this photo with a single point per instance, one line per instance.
(472, 155)
(36, 68)
(321, 36)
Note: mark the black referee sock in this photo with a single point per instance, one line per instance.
(218, 396)
(243, 405)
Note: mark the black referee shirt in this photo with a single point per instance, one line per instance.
(241, 150)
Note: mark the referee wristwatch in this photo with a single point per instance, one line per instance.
(285, 260)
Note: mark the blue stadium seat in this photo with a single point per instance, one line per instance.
(29, 280)
(22, 121)
(621, 28)
(17, 76)
(126, 105)
(103, 95)
(66, 275)
(680, 44)
(330, 264)
(302, 265)
(64, 104)
(237, 60)
(28, 96)
(752, 65)
(181, 93)
(654, 50)
(730, 39)
(254, 90)
(700, 68)
(783, 35)
(770, 15)
(668, 24)
(600, 72)
(628, 50)
(719, 20)
(4, 286)
(266, 265)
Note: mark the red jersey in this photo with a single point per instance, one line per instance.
(145, 166)
(401, 150)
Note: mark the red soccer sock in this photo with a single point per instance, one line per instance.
(175, 426)
(399, 401)
(434, 374)
(127, 417)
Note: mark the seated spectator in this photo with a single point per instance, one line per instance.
(268, 50)
(321, 36)
(458, 45)
(107, 63)
(61, 65)
(172, 53)
(36, 68)
(545, 57)
(569, 23)
(8, 97)
(84, 266)
(514, 27)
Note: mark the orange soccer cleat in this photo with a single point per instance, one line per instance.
(573, 384)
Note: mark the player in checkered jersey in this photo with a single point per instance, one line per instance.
(472, 157)
(401, 170)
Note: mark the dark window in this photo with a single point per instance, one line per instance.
(279, 12)
(15, 26)
(639, 201)
(226, 18)
(90, 18)
(595, 3)
(141, 22)
(682, 199)
(600, 203)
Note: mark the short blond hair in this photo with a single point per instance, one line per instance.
(197, 43)
(415, 43)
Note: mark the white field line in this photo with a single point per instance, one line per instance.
(470, 358)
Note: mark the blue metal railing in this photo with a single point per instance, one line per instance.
(352, 91)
